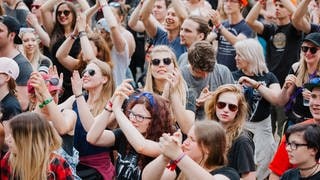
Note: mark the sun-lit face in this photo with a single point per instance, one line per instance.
(310, 58)
(161, 70)
(172, 21)
(92, 77)
(227, 107)
(191, 147)
(159, 10)
(189, 33)
(5, 36)
(140, 117)
(281, 11)
(315, 103)
(29, 41)
(64, 15)
(241, 63)
(231, 6)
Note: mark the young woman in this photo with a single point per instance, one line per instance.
(201, 156)
(303, 147)
(29, 136)
(59, 29)
(97, 80)
(164, 78)
(228, 106)
(142, 122)
(293, 94)
(44, 91)
(92, 46)
(261, 89)
(30, 45)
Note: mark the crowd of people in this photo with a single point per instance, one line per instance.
(159, 89)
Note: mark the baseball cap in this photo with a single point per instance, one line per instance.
(314, 38)
(9, 67)
(313, 83)
(102, 24)
(13, 25)
(52, 83)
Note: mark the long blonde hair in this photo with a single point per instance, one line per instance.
(150, 85)
(302, 72)
(36, 141)
(233, 131)
(107, 89)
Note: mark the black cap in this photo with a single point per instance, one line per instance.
(13, 25)
(314, 38)
(313, 83)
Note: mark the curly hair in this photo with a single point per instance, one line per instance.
(161, 115)
(202, 56)
(236, 126)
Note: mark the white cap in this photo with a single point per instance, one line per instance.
(9, 66)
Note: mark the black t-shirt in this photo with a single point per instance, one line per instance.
(283, 48)
(259, 108)
(228, 172)
(241, 154)
(294, 174)
(25, 69)
(74, 52)
(9, 107)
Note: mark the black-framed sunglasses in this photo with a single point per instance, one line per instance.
(231, 107)
(313, 50)
(294, 146)
(91, 72)
(65, 12)
(166, 61)
(53, 81)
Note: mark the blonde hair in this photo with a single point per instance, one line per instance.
(149, 86)
(302, 72)
(107, 89)
(251, 51)
(36, 141)
(236, 126)
(37, 55)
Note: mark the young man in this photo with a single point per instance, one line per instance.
(9, 30)
(280, 162)
(193, 29)
(203, 75)
(230, 31)
(170, 36)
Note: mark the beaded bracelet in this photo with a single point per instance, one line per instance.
(45, 102)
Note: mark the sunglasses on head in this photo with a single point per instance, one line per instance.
(37, 6)
(156, 62)
(91, 72)
(313, 50)
(53, 81)
(231, 107)
(116, 5)
(65, 12)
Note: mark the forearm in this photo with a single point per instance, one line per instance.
(134, 22)
(134, 137)
(298, 19)
(84, 5)
(231, 38)
(46, 14)
(87, 50)
(90, 12)
(146, 9)
(98, 127)
(185, 118)
(180, 9)
(85, 115)
(43, 35)
(22, 95)
(252, 17)
(289, 6)
(154, 170)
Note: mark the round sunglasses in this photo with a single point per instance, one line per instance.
(65, 12)
(231, 107)
(91, 72)
(313, 50)
(156, 62)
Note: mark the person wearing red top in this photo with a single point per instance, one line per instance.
(280, 162)
(32, 142)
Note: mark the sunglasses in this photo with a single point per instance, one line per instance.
(117, 5)
(156, 62)
(91, 72)
(231, 107)
(65, 12)
(53, 81)
(35, 6)
(313, 50)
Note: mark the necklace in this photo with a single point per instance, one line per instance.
(313, 172)
(308, 168)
